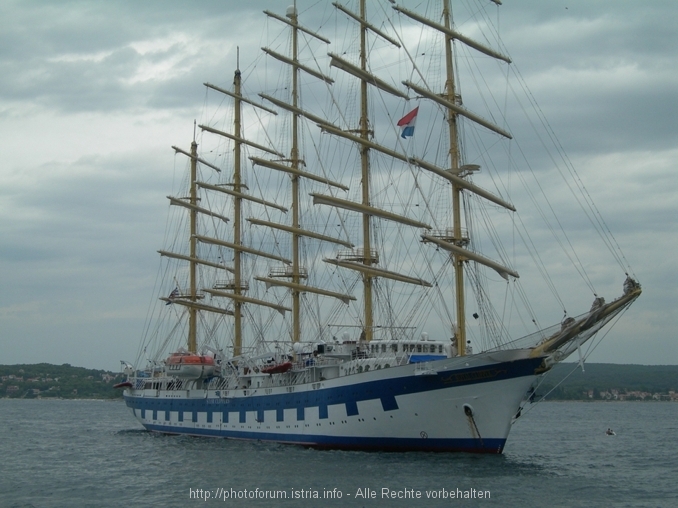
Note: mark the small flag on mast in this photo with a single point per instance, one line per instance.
(173, 295)
(407, 123)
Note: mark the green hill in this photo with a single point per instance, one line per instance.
(609, 381)
(44, 380)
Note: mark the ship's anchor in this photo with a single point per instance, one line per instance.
(468, 411)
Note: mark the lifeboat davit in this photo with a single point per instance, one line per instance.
(278, 368)
(190, 365)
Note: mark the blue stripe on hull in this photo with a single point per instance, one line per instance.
(386, 390)
(348, 443)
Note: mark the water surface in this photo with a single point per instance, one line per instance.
(58, 453)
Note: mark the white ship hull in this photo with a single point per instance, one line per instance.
(457, 404)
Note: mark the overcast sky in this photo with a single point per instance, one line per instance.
(93, 93)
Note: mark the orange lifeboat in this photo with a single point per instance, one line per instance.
(190, 365)
(278, 368)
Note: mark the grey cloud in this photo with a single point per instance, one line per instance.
(79, 231)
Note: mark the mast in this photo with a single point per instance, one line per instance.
(458, 260)
(455, 244)
(237, 221)
(237, 285)
(294, 156)
(365, 168)
(193, 311)
(296, 272)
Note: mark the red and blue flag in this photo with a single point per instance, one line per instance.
(407, 123)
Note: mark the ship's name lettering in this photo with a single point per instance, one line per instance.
(471, 376)
(217, 402)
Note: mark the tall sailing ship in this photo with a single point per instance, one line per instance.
(313, 289)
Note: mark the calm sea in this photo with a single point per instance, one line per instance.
(58, 453)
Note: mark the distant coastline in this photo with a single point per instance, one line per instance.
(610, 382)
(47, 381)
(598, 382)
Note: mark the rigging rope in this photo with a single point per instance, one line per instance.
(592, 347)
